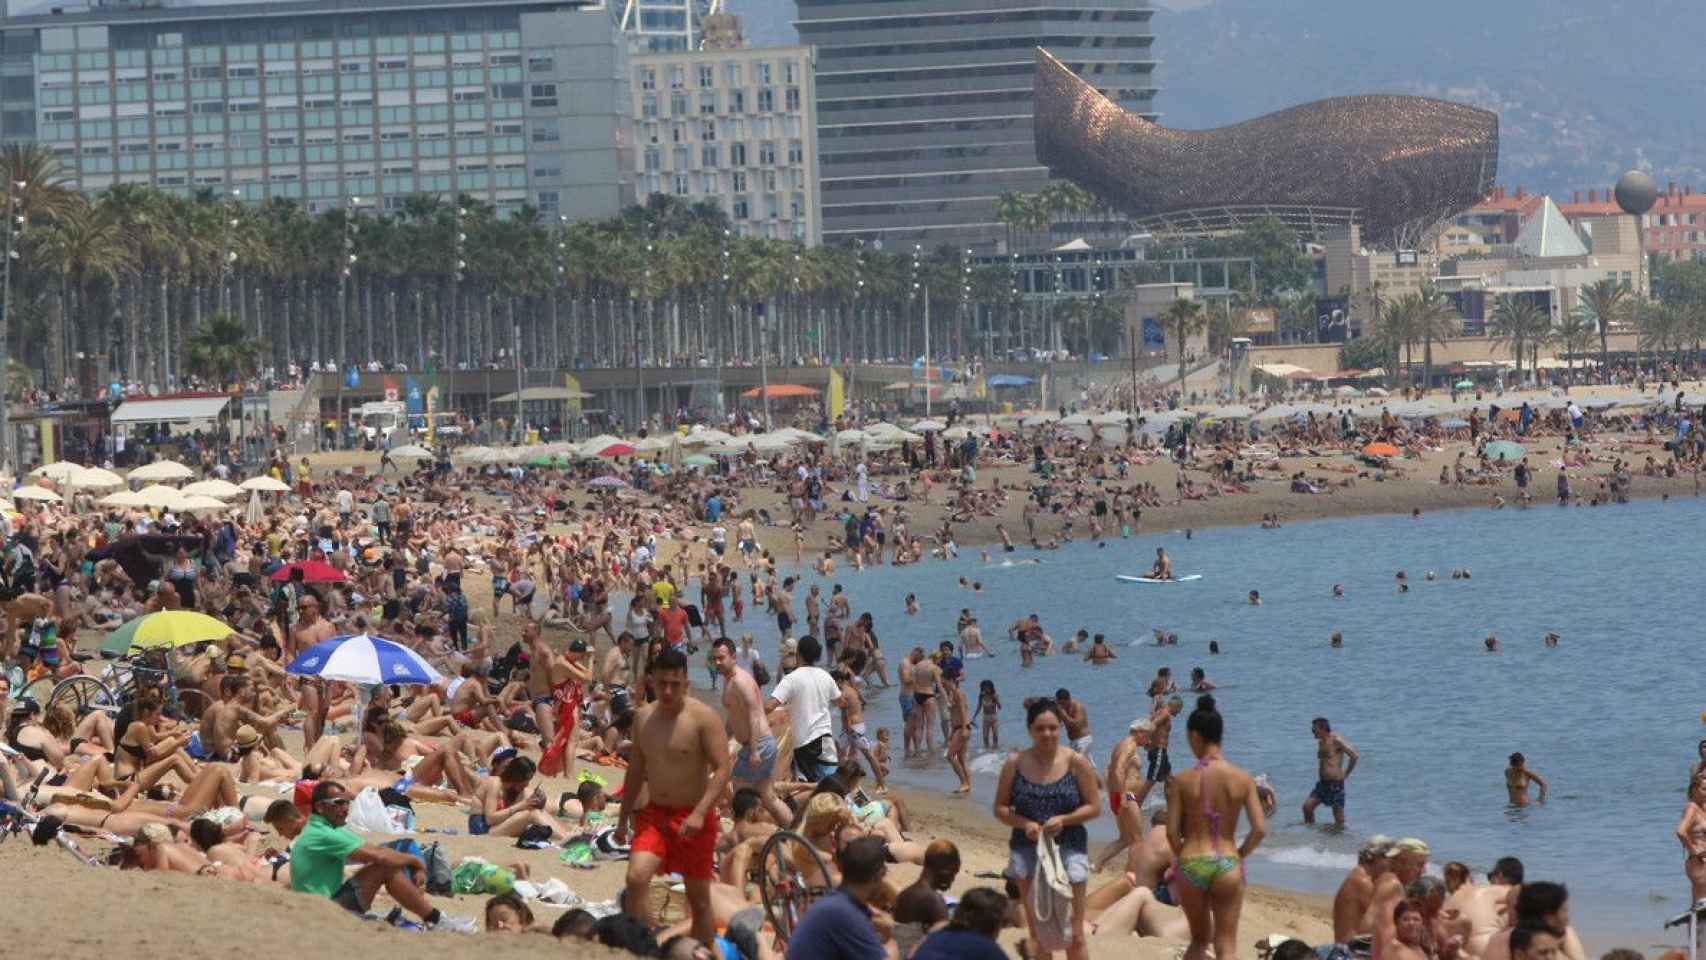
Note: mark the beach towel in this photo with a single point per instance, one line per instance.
(1051, 898)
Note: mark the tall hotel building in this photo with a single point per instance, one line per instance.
(324, 101)
(924, 106)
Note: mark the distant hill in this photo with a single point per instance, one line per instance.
(1584, 89)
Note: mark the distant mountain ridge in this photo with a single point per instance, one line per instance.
(1584, 89)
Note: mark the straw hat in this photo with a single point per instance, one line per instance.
(248, 737)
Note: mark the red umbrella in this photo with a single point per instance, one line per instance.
(313, 571)
(616, 450)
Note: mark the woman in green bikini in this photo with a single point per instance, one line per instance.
(1202, 828)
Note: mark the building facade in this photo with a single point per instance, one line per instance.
(1675, 229)
(735, 127)
(924, 107)
(513, 102)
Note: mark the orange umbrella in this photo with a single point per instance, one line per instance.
(1381, 450)
(780, 390)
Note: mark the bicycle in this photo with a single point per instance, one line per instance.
(783, 885)
(16, 819)
(122, 681)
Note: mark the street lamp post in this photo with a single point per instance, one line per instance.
(348, 261)
(229, 258)
(458, 265)
(729, 309)
(14, 230)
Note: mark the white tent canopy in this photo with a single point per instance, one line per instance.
(173, 411)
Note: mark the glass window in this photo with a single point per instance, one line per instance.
(788, 68)
(648, 105)
(731, 74)
(766, 100)
(796, 153)
(541, 63)
(737, 155)
(710, 155)
(737, 101)
(708, 131)
(708, 102)
(542, 94)
(761, 71)
(791, 100)
(707, 76)
(677, 77)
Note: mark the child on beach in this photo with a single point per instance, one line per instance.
(989, 708)
(880, 753)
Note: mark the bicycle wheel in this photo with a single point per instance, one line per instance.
(83, 693)
(190, 705)
(786, 889)
(41, 691)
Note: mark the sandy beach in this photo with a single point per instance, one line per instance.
(79, 912)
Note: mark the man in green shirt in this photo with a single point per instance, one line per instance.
(324, 845)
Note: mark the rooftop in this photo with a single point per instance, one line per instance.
(255, 10)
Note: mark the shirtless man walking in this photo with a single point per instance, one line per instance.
(908, 704)
(755, 764)
(680, 762)
(1077, 722)
(1337, 759)
(1124, 771)
(310, 629)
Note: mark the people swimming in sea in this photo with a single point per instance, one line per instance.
(1491, 643)
(1338, 591)
(1551, 639)
(1336, 640)
(1199, 681)
(1255, 598)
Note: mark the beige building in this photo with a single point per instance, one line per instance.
(737, 127)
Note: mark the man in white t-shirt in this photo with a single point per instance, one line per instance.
(719, 539)
(346, 505)
(809, 693)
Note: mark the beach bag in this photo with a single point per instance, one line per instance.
(369, 814)
(474, 875)
(413, 849)
(1051, 898)
(439, 874)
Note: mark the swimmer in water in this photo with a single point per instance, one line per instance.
(1199, 681)
(1099, 652)
(1492, 643)
(1163, 569)
(1213, 647)
(1255, 598)
(911, 604)
(1551, 639)
(1430, 576)
(1517, 779)
(1076, 642)
(1338, 591)
(1403, 582)
(977, 586)
(1336, 640)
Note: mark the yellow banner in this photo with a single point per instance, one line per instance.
(574, 384)
(837, 394)
(980, 388)
(431, 408)
(48, 454)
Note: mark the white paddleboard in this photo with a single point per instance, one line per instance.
(1130, 579)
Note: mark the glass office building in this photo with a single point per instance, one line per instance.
(924, 106)
(325, 101)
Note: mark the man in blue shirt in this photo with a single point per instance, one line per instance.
(970, 935)
(842, 926)
(713, 508)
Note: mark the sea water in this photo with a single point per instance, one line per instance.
(1610, 717)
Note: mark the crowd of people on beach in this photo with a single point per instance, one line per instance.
(616, 598)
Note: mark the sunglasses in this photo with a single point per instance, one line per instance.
(337, 801)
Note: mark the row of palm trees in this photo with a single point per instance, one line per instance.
(140, 277)
(1420, 318)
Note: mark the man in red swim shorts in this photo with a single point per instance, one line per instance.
(680, 761)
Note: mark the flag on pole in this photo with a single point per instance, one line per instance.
(837, 394)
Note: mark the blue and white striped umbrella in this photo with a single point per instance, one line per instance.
(363, 659)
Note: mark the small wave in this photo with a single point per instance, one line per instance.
(1309, 857)
(988, 762)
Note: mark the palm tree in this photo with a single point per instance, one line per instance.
(1663, 327)
(83, 244)
(1519, 322)
(1397, 332)
(1183, 319)
(1435, 320)
(1605, 304)
(1302, 309)
(1575, 333)
(222, 349)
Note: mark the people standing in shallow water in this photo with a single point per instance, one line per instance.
(1336, 759)
(1517, 779)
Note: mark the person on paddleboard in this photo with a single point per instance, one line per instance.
(1163, 569)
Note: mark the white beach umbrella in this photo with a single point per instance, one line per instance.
(265, 484)
(955, 433)
(709, 435)
(216, 488)
(411, 451)
(94, 478)
(928, 426)
(162, 470)
(161, 496)
(59, 471)
(33, 492)
(1113, 418)
(121, 498)
(851, 436)
(201, 503)
(469, 453)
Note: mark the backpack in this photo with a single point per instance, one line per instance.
(438, 870)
